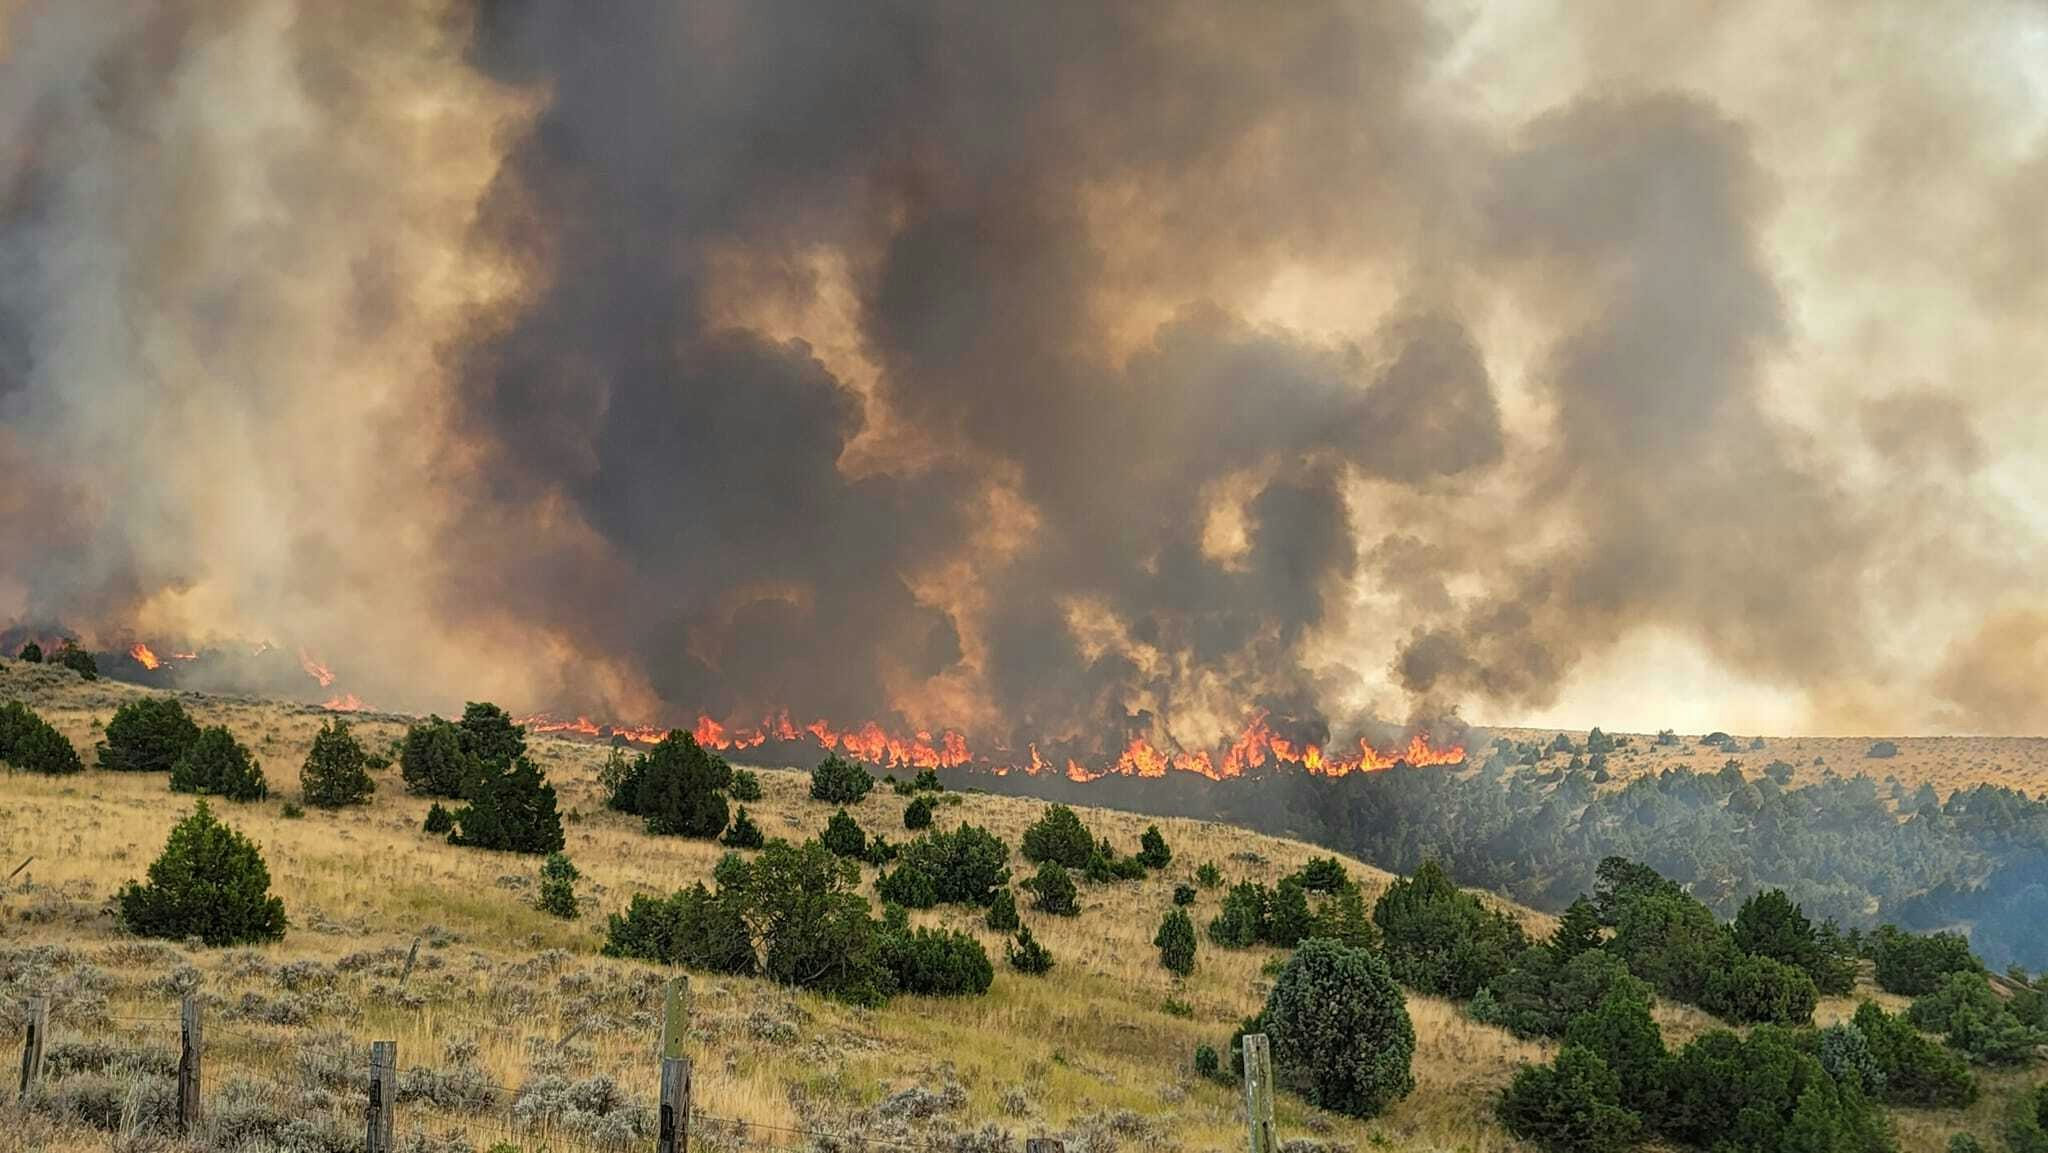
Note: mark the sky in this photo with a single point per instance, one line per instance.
(1052, 374)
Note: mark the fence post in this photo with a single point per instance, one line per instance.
(674, 1133)
(411, 955)
(383, 1094)
(675, 1016)
(32, 1046)
(1258, 1092)
(191, 1045)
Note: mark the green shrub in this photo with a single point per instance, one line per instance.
(815, 930)
(1053, 890)
(511, 808)
(291, 811)
(745, 786)
(1026, 955)
(1153, 850)
(1577, 930)
(1058, 835)
(1541, 995)
(432, 760)
(2026, 1127)
(1340, 1030)
(1184, 895)
(695, 929)
(839, 781)
(964, 866)
(918, 813)
(937, 962)
(1751, 989)
(489, 735)
(210, 883)
(1242, 922)
(1913, 965)
(1673, 942)
(1845, 1053)
(558, 886)
(1323, 875)
(618, 779)
(676, 788)
(1208, 876)
(78, 661)
(1979, 1023)
(438, 819)
(1917, 1072)
(1570, 1106)
(1765, 1091)
(1176, 942)
(1621, 1032)
(33, 745)
(879, 851)
(32, 653)
(218, 765)
(334, 773)
(1288, 920)
(1342, 917)
(1440, 939)
(1002, 912)
(147, 735)
(844, 837)
(1208, 1063)
(744, 833)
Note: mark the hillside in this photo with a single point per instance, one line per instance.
(1099, 1050)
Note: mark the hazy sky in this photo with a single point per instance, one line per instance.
(1049, 372)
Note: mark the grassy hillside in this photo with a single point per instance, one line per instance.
(1099, 1049)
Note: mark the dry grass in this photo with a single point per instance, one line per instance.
(1071, 1052)
(1947, 763)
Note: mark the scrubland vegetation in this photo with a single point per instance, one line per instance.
(846, 982)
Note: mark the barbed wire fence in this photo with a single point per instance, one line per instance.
(375, 1102)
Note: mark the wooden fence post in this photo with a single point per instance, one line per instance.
(675, 1016)
(191, 1045)
(411, 955)
(32, 1045)
(1258, 1092)
(383, 1094)
(673, 1136)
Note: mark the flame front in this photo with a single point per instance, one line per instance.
(143, 656)
(345, 703)
(1257, 746)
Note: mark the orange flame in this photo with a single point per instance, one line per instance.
(345, 703)
(314, 668)
(143, 656)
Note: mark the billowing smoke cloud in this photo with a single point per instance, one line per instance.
(1056, 373)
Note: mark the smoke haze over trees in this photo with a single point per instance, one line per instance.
(1052, 372)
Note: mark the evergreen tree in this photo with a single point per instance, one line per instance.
(147, 735)
(1343, 918)
(32, 653)
(1002, 912)
(439, 821)
(918, 813)
(511, 808)
(558, 886)
(1288, 920)
(210, 883)
(840, 781)
(217, 764)
(1243, 919)
(677, 788)
(1578, 930)
(1572, 1106)
(1208, 876)
(1054, 889)
(1026, 954)
(433, 760)
(844, 836)
(489, 735)
(1440, 939)
(745, 786)
(78, 661)
(335, 772)
(744, 833)
(1622, 1033)
(33, 745)
(1058, 835)
(1153, 849)
(1340, 1030)
(1176, 942)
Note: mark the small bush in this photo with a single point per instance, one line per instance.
(1340, 1030)
(1176, 942)
(1323, 875)
(432, 760)
(1208, 1064)
(2026, 1127)
(1058, 835)
(937, 962)
(291, 811)
(964, 866)
(839, 781)
(1208, 876)
(1914, 965)
(746, 785)
(1026, 955)
(1053, 890)
(558, 886)
(218, 765)
(147, 735)
(32, 653)
(210, 883)
(33, 745)
(511, 809)
(1440, 939)
(1570, 1106)
(1002, 912)
(843, 835)
(918, 813)
(1183, 895)
(1153, 850)
(438, 820)
(1882, 750)
(1242, 922)
(744, 833)
(78, 661)
(334, 773)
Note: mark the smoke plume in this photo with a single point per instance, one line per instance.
(1057, 374)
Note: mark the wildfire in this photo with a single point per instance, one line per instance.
(143, 656)
(314, 668)
(1258, 745)
(345, 703)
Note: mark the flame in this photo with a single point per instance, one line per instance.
(313, 667)
(184, 656)
(143, 656)
(1255, 747)
(345, 703)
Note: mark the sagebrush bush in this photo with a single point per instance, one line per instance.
(335, 773)
(210, 883)
(218, 765)
(147, 735)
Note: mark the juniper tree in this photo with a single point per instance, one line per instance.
(147, 735)
(217, 764)
(210, 883)
(336, 771)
